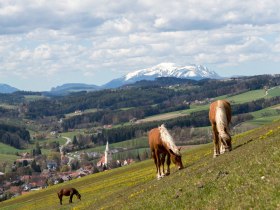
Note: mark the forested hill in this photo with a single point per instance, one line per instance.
(167, 93)
(14, 136)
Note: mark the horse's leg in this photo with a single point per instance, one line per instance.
(168, 164)
(157, 153)
(229, 144)
(153, 153)
(216, 140)
(71, 196)
(162, 160)
(60, 198)
(222, 146)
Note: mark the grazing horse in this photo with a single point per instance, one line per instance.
(220, 117)
(162, 145)
(68, 192)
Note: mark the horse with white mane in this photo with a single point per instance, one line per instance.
(162, 145)
(220, 117)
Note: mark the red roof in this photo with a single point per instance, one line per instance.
(101, 161)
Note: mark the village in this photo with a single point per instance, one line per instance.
(18, 183)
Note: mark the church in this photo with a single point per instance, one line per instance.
(106, 159)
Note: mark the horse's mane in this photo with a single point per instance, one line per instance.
(167, 138)
(221, 120)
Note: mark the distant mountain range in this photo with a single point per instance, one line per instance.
(194, 72)
(73, 87)
(4, 88)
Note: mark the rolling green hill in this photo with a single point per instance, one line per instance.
(246, 178)
(236, 99)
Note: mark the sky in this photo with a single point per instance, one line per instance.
(46, 43)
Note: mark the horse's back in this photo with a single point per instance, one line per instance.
(224, 104)
(67, 191)
(212, 111)
(154, 137)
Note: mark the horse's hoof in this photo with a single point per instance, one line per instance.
(168, 173)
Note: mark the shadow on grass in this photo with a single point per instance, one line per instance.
(240, 145)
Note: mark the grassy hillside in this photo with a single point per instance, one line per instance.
(236, 99)
(246, 178)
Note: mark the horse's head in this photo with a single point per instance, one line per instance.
(229, 146)
(226, 141)
(177, 159)
(78, 196)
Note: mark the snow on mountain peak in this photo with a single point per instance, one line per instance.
(171, 70)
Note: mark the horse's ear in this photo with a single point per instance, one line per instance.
(170, 150)
(179, 148)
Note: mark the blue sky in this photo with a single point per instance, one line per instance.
(46, 43)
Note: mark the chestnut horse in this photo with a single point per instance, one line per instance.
(220, 117)
(162, 145)
(68, 192)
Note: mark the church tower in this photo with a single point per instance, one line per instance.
(108, 155)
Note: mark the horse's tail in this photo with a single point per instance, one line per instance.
(222, 121)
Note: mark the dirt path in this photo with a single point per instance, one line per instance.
(68, 141)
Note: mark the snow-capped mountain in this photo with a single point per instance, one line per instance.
(195, 72)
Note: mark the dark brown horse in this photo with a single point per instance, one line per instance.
(220, 117)
(68, 192)
(162, 145)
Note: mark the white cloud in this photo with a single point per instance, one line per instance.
(88, 37)
(42, 52)
(9, 10)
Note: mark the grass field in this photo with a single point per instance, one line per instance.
(9, 152)
(7, 158)
(6, 149)
(263, 117)
(7, 106)
(274, 91)
(34, 97)
(237, 99)
(246, 178)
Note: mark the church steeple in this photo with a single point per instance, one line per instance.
(108, 155)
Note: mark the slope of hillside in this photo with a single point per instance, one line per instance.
(236, 99)
(246, 178)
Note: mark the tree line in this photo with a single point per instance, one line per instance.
(14, 136)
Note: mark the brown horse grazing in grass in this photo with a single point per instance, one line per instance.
(68, 192)
(162, 145)
(220, 117)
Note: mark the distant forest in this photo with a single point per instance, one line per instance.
(14, 136)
